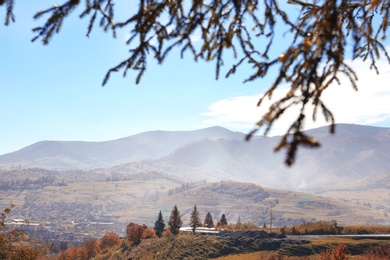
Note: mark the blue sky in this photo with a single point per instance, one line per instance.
(54, 92)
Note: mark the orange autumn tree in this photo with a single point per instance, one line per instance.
(92, 247)
(109, 240)
(10, 246)
(134, 232)
(76, 252)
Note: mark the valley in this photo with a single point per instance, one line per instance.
(75, 191)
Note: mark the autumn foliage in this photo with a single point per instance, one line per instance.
(338, 253)
(10, 246)
(109, 240)
(380, 252)
(92, 247)
(76, 252)
(315, 228)
(134, 232)
(148, 233)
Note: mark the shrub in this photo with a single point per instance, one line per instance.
(167, 233)
(134, 232)
(109, 240)
(76, 252)
(92, 247)
(337, 253)
(378, 252)
(148, 233)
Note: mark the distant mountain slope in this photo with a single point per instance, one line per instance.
(252, 203)
(139, 200)
(378, 181)
(85, 155)
(352, 153)
(216, 154)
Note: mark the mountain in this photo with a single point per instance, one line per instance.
(215, 154)
(352, 153)
(86, 155)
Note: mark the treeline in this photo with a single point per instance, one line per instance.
(331, 228)
(313, 228)
(185, 186)
(242, 190)
(27, 183)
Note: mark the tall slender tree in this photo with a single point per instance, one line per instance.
(223, 220)
(208, 221)
(159, 225)
(195, 220)
(175, 222)
(271, 219)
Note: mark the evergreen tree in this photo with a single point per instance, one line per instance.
(159, 225)
(195, 220)
(208, 221)
(223, 220)
(175, 222)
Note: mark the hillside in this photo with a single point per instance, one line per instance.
(372, 192)
(139, 197)
(216, 154)
(87, 155)
(253, 203)
(352, 153)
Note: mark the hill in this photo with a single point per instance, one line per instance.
(352, 153)
(215, 154)
(87, 155)
(138, 198)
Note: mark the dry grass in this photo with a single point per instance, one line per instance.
(140, 201)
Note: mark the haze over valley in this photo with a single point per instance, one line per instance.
(130, 179)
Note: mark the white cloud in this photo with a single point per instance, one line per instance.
(369, 105)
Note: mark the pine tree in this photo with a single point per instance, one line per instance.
(208, 221)
(223, 220)
(175, 222)
(195, 220)
(159, 225)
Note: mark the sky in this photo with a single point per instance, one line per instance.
(54, 92)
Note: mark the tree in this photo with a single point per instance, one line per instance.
(75, 252)
(109, 240)
(271, 219)
(317, 43)
(208, 221)
(134, 232)
(223, 220)
(159, 225)
(195, 220)
(93, 247)
(148, 233)
(175, 222)
(10, 246)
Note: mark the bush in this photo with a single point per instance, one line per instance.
(167, 233)
(148, 233)
(76, 252)
(316, 228)
(338, 253)
(92, 247)
(380, 252)
(134, 232)
(109, 240)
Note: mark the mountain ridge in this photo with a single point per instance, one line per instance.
(216, 154)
